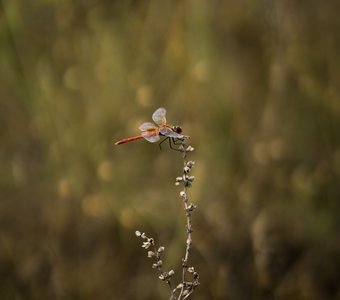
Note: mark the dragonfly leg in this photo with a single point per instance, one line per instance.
(160, 144)
(177, 141)
(173, 141)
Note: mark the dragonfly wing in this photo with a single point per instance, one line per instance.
(159, 116)
(150, 132)
(147, 126)
(151, 136)
(167, 131)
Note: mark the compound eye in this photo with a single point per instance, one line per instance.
(178, 129)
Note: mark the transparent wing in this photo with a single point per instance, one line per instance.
(150, 132)
(167, 131)
(151, 136)
(147, 126)
(159, 116)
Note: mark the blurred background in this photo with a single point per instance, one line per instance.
(256, 86)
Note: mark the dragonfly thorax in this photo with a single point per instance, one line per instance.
(177, 129)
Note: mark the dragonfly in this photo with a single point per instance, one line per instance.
(152, 132)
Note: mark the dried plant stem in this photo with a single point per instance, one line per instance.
(186, 287)
(156, 254)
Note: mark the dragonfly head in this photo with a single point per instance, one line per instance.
(177, 129)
